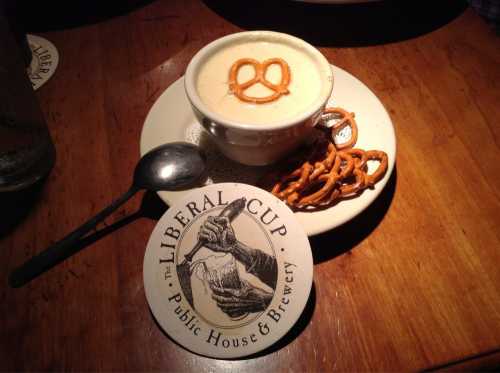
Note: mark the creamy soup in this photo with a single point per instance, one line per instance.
(304, 88)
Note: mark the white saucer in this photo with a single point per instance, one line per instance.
(171, 119)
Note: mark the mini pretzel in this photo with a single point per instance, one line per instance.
(346, 119)
(328, 181)
(347, 165)
(359, 183)
(301, 173)
(371, 179)
(334, 195)
(320, 167)
(360, 157)
(238, 89)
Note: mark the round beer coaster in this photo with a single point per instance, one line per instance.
(43, 62)
(228, 270)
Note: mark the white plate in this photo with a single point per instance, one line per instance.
(171, 119)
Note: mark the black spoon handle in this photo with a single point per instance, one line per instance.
(62, 249)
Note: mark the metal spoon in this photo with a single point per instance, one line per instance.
(172, 166)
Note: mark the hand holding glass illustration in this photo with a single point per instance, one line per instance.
(237, 302)
(219, 236)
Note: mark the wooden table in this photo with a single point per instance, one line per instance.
(411, 284)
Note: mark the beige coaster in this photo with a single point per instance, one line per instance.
(45, 59)
(228, 270)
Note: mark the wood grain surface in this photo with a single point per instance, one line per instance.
(411, 284)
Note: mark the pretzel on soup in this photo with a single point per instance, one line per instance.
(260, 68)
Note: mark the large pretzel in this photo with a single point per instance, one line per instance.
(238, 89)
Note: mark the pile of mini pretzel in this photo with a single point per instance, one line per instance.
(334, 171)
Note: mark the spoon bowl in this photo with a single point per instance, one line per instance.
(173, 166)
